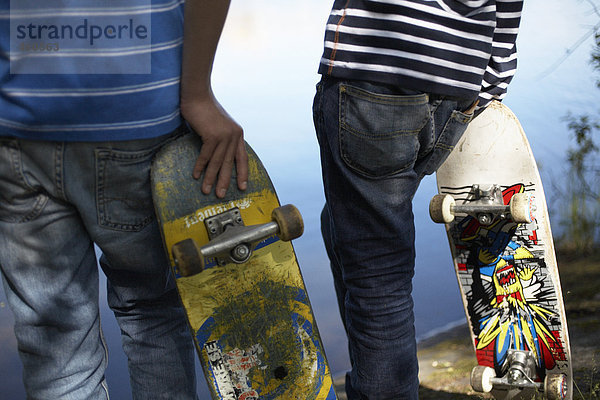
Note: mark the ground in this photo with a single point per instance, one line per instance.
(445, 362)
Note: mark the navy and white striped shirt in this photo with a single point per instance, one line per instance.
(90, 71)
(460, 48)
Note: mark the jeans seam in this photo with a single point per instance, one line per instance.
(58, 170)
(433, 106)
(103, 344)
(17, 165)
(386, 99)
(319, 111)
(386, 136)
(456, 116)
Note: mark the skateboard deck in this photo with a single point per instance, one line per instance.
(504, 258)
(251, 320)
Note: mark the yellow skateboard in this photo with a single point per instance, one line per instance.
(239, 281)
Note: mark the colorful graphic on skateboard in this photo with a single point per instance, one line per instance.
(492, 202)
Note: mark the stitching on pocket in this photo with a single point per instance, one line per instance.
(383, 136)
(389, 99)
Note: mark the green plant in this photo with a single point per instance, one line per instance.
(580, 217)
(586, 384)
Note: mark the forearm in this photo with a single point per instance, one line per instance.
(222, 138)
(203, 24)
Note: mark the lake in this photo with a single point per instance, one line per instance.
(264, 75)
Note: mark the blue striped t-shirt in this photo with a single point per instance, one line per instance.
(90, 71)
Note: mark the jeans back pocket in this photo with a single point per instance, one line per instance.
(379, 132)
(123, 193)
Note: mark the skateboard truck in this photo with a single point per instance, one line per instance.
(520, 375)
(227, 227)
(230, 240)
(486, 204)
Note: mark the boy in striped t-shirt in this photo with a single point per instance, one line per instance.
(401, 80)
(89, 92)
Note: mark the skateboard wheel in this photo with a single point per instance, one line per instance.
(289, 220)
(481, 379)
(440, 208)
(555, 387)
(187, 257)
(522, 207)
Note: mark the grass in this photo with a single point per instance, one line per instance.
(580, 278)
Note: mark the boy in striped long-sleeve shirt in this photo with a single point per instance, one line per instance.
(401, 80)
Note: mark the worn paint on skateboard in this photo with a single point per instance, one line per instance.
(507, 271)
(252, 323)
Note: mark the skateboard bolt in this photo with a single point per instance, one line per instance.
(514, 376)
(484, 219)
(240, 252)
(518, 366)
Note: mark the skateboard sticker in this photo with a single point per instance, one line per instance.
(230, 370)
(289, 349)
(202, 214)
(508, 288)
(219, 371)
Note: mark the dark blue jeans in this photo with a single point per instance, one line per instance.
(377, 142)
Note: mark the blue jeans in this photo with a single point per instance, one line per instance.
(57, 200)
(377, 142)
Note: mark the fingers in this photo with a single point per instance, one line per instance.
(222, 145)
(224, 171)
(218, 161)
(242, 165)
(206, 152)
(209, 161)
